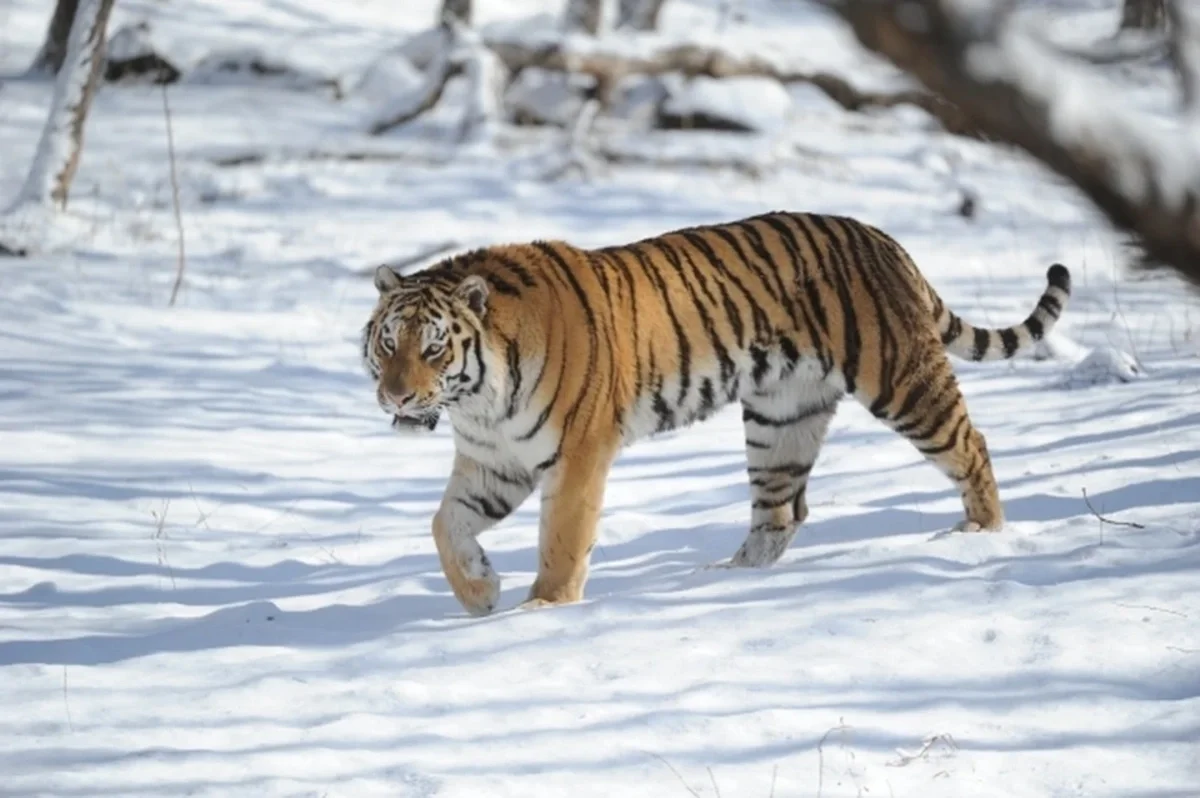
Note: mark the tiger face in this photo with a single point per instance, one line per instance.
(422, 346)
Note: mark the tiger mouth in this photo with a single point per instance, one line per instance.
(427, 422)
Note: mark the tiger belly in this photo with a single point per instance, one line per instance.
(766, 379)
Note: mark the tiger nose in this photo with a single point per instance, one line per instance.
(390, 402)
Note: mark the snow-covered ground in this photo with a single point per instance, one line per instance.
(216, 576)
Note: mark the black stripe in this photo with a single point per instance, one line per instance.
(789, 469)
(762, 325)
(515, 267)
(951, 442)
(851, 341)
(771, 504)
(732, 311)
(953, 331)
(568, 275)
(545, 414)
(870, 253)
(915, 394)
(752, 416)
(938, 423)
(1050, 305)
(502, 286)
(637, 350)
(512, 354)
(519, 480)
(761, 364)
(1008, 337)
(681, 339)
(758, 243)
(982, 341)
(481, 377)
(706, 319)
(493, 507)
(474, 441)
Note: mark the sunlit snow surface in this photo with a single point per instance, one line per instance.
(216, 576)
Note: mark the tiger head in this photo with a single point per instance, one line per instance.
(423, 344)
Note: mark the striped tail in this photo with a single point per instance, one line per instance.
(980, 343)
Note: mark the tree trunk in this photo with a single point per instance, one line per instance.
(58, 150)
(1144, 15)
(54, 47)
(459, 10)
(584, 16)
(1134, 178)
(639, 14)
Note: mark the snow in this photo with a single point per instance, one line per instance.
(751, 103)
(217, 577)
(1151, 156)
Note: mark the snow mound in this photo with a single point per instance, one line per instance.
(388, 77)
(743, 104)
(250, 65)
(132, 57)
(1057, 346)
(638, 100)
(543, 97)
(1104, 365)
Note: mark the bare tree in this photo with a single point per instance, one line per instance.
(1145, 180)
(54, 47)
(586, 16)
(1144, 15)
(57, 156)
(639, 14)
(456, 11)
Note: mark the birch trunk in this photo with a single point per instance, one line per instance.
(59, 148)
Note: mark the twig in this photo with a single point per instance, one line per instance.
(66, 702)
(686, 786)
(174, 198)
(713, 779)
(774, 774)
(926, 745)
(1151, 609)
(159, 537)
(821, 755)
(1104, 520)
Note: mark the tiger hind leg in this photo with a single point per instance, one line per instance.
(780, 453)
(929, 410)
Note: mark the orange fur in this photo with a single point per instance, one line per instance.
(549, 358)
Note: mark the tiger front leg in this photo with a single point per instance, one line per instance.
(476, 499)
(572, 500)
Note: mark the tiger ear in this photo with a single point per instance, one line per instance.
(386, 279)
(474, 291)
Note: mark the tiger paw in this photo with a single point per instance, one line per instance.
(763, 546)
(541, 596)
(973, 526)
(477, 594)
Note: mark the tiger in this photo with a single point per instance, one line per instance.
(549, 359)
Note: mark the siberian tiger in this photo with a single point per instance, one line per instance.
(548, 359)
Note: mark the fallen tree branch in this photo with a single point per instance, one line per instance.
(609, 60)
(1103, 520)
(1019, 91)
(288, 155)
(407, 263)
(425, 97)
